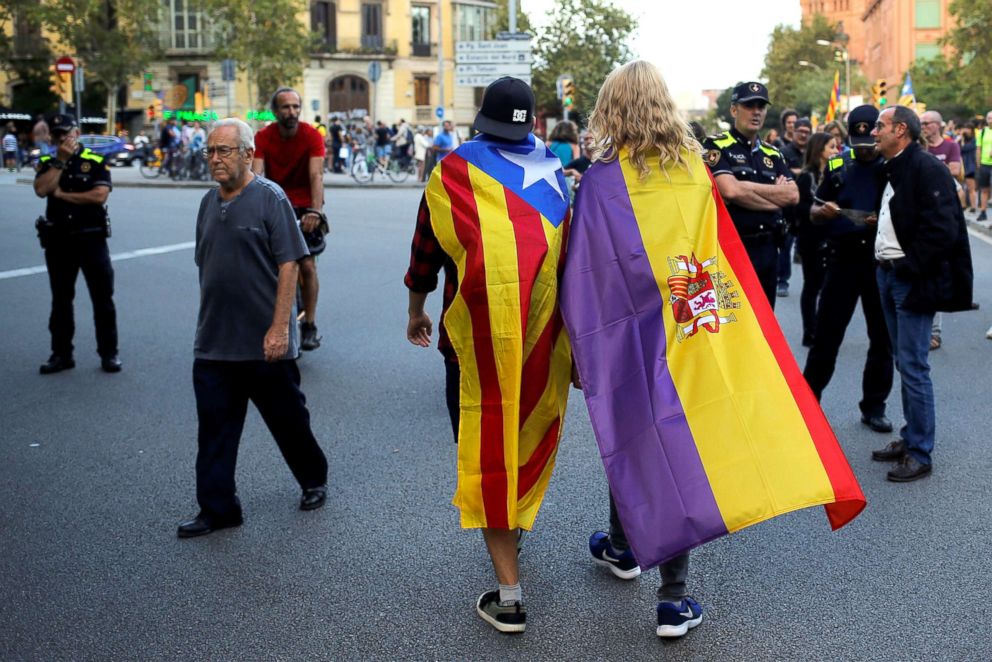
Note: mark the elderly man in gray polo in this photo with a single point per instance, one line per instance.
(247, 247)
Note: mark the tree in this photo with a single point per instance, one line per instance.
(26, 57)
(971, 38)
(502, 22)
(937, 83)
(584, 38)
(264, 38)
(805, 88)
(114, 38)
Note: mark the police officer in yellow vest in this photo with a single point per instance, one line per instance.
(754, 180)
(983, 140)
(73, 232)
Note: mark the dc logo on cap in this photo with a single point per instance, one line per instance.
(754, 87)
(519, 115)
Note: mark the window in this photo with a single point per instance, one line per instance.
(372, 25)
(474, 23)
(927, 13)
(184, 27)
(422, 90)
(421, 30)
(324, 24)
(927, 51)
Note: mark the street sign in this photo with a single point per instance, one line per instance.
(375, 71)
(227, 70)
(515, 36)
(439, 112)
(315, 104)
(65, 65)
(479, 63)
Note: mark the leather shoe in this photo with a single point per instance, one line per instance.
(201, 525)
(111, 364)
(895, 450)
(313, 498)
(57, 363)
(877, 423)
(908, 470)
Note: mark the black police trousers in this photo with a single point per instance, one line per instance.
(65, 257)
(849, 276)
(223, 389)
(814, 269)
(763, 252)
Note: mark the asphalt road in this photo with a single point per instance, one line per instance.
(96, 470)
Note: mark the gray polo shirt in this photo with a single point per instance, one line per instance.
(239, 247)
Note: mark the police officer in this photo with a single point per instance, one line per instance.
(76, 184)
(854, 181)
(754, 180)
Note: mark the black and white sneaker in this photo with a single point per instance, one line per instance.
(505, 618)
(622, 564)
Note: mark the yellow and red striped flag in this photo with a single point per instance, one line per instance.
(834, 104)
(500, 211)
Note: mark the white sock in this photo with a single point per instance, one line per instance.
(509, 594)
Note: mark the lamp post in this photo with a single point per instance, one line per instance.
(847, 65)
(807, 63)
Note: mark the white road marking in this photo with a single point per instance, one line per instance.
(128, 255)
(981, 236)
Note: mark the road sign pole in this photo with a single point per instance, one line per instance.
(77, 86)
(440, 63)
(513, 16)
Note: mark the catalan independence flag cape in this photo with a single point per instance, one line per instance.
(704, 421)
(500, 210)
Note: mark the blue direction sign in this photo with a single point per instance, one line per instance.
(375, 71)
(439, 111)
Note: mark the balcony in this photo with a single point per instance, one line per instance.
(28, 45)
(365, 45)
(421, 50)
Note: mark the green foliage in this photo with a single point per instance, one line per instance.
(503, 18)
(262, 38)
(938, 83)
(805, 88)
(584, 38)
(114, 38)
(26, 57)
(971, 38)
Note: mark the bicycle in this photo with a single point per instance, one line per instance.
(364, 169)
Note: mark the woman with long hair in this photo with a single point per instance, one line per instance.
(821, 148)
(565, 142)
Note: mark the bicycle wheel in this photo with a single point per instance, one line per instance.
(150, 169)
(396, 173)
(360, 171)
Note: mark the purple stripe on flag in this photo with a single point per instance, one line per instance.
(613, 310)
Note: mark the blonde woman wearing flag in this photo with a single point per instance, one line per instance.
(703, 421)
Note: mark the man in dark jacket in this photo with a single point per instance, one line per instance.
(924, 266)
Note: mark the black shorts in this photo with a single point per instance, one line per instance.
(984, 179)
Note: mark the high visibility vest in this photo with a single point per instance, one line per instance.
(983, 139)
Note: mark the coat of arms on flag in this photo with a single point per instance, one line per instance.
(699, 296)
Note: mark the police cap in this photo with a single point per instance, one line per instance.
(860, 123)
(749, 91)
(62, 123)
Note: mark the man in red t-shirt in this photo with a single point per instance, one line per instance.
(291, 153)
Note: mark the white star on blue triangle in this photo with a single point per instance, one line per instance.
(539, 165)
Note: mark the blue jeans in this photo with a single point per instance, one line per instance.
(910, 335)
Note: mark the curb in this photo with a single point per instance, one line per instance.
(151, 183)
(975, 225)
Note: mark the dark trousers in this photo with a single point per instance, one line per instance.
(223, 389)
(452, 397)
(65, 258)
(850, 275)
(814, 269)
(784, 268)
(674, 572)
(764, 258)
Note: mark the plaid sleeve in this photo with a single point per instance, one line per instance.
(426, 255)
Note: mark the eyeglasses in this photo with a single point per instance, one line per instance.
(223, 151)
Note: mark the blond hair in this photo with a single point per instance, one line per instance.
(635, 112)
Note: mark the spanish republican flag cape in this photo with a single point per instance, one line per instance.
(704, 421)
(500, 211)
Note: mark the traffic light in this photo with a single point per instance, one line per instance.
(147, 78)
(151, 114)
(879, 93)
(567, 92)
(60, 85)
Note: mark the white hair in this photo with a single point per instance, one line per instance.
(246, 139)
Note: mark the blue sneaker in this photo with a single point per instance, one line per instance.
(674, 620)
(623, 565)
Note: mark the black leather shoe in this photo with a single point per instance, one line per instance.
(111, 364)
(201, 525)
(313, 498)
(909, 470)
(893, 451)
(57, 363)
(877, 423)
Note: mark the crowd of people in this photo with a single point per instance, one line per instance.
(873, 205)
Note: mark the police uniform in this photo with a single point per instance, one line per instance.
(731, 153)
(850, 274)
(75, 238)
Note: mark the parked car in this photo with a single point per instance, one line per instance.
(116, 150)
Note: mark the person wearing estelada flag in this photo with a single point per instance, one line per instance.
(494, 217)
(703, 420)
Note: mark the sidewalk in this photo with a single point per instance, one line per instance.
(130, 177)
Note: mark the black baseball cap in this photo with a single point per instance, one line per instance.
(860, 123)
(750, 91)
(62, 122)
(507, 109)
